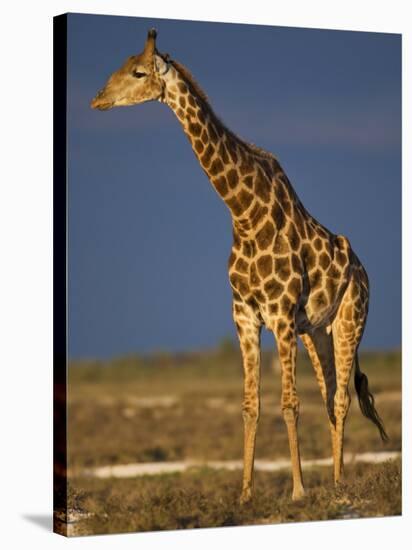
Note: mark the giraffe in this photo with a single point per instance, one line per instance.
(286, 270)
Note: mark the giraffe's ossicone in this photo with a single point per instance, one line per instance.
(287, 271)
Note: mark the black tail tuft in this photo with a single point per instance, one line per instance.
(367, 401)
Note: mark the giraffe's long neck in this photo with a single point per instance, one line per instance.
(235, 169)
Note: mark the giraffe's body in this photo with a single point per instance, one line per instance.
(287, 271)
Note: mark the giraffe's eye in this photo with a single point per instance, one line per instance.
(138, 74)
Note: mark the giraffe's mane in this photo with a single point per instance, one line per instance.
(189, 78)
(187, 75)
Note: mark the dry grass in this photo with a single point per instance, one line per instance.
(208, 498)
(181, 407)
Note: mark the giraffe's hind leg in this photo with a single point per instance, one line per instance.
(319, 346)
(347, 330)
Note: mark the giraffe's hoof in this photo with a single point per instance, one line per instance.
(339, 482)
(340, 487)
(245, 497)
(298, 494)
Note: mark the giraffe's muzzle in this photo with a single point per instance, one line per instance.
(101, 102)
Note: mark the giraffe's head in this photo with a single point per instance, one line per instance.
(138, 80)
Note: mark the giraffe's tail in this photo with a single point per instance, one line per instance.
(366, 399)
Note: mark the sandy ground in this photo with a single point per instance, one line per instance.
(156, 468)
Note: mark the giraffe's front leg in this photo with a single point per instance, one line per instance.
(248, 329)
(285, 334)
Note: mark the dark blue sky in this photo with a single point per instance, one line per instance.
(148, 236)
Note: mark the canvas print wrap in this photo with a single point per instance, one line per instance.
(227, 267)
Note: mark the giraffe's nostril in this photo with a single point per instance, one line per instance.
(102, 100)
(94, 102)
(101, 103)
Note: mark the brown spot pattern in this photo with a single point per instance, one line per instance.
(324, 260)
(241, 265)
(264, 236)
(274, 308)
(265, 265)
(223, 153)
(232, 178)
(281, 245)
(207, 155)
(216, 167)
(245, 199)
(195, 129)
(212, 133)
(273, 289)
(309, 256)
(286, 304)
(317, 243)
(221, 185)
(262, 187)
(293, 237)
(205, 137)
(296, 263)
(248, 181)
(294, 287)
(249, 249)
(254, 277)
(239, 283)
(315, 279)
(199, 147)
(282, 267)
(278, 216)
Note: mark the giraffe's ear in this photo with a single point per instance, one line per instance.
(161, 66)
